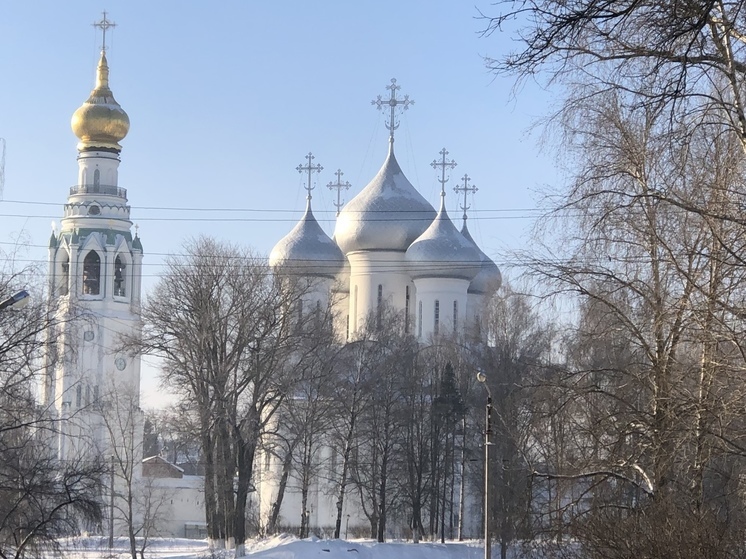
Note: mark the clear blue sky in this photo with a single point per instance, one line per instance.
(225, 99)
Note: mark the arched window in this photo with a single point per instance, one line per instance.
(419, 320)
(120, 289)
(455, 315)
(436, 328)
(92, 274)
(64, 276)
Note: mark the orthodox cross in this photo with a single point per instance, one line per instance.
(392, 102)
(465, 189)
(339, 185)
(103, 25)
(309, 168)
(443, 164)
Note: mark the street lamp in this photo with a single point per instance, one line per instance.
(482, 378)
(17, 300)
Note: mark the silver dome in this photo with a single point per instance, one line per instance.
(443, 252)
(307, 250)
(388, 214)
(489, 278)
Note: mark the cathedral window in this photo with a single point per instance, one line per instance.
(267, 461)
(436, 327)
(354, 309)
(406, 310)
(96, 179)
(119, 278)
(78, 395)
(455, 315)
(92, 274)
(419, 321)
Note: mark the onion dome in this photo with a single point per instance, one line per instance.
(307, 250)
(388, 214)
(442, 251)
(489, 278)
(100, 123)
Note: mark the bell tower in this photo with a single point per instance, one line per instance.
(95, 273)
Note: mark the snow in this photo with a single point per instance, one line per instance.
(278, 547)
(291, 548)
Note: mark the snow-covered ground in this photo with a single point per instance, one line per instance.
(280, 547)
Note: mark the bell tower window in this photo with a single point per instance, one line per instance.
(436, 329)
(120, 289)
(92, 274)
(96, 179)
(64, 277)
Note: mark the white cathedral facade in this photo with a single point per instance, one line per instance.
(390, 248)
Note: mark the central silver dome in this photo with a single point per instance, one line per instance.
(307, 250)
(443, 252)
(388, 214)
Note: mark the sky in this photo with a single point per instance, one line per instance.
(226, 98)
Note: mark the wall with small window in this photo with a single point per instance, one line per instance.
(440, 304)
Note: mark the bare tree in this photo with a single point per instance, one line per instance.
(682, 56)
(40, 498)
(139, 504)
(378, 433)
(221, 322)
(654, 369)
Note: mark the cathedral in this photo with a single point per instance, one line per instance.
(390, 249)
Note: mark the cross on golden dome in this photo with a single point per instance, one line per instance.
(103, 25)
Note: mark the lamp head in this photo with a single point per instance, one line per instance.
(481, 377)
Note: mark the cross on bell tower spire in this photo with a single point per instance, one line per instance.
(309, 168)
(392, 102)
(103, 25)
(443, 164)
(339, 186)
(465, 189)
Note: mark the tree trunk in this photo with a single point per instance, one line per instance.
(343, 478)
(277, 503)
(462, 484)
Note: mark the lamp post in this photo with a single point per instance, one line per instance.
(482, 378)
(16, 301)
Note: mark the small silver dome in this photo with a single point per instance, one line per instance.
(307, 250)
(443, 252)
(388, 214)
(489, 278)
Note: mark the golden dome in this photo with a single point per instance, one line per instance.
(100, 122)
